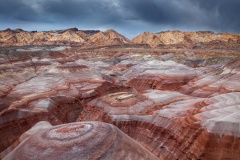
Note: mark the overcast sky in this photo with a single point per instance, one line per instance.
(129, 17)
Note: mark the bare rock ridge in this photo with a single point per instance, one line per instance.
(185, 38)
(20, 37)
(70, 36)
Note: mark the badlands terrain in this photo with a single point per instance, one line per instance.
(76, 94)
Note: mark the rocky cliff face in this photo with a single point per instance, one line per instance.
(173, 106)
(184, 38)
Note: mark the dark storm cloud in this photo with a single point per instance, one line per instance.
(13, 9)
(125, 15)
(93, 11)
(218, 15)
(154, 11)
(226, 13)
(61, 11)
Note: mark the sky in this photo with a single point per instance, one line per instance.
(128, 17)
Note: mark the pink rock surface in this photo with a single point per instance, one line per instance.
(171, 109)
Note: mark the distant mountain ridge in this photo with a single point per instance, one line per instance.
(20, 37)
(70, 36)
(185, 38)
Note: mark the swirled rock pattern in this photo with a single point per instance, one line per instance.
(82, 140)
(180, 104)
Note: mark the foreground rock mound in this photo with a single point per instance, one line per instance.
(82, 140)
